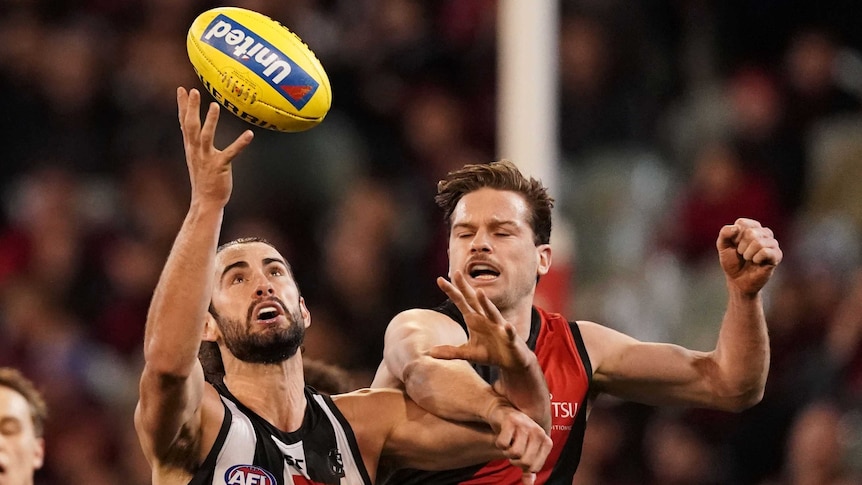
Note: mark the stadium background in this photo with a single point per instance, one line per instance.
(675, 117)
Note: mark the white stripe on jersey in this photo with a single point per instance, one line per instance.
(240, 442)
(351, 468)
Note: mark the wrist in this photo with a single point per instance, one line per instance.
(201, 206)
(494, 412)
(737, 294)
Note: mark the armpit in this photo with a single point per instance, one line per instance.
(184, 453)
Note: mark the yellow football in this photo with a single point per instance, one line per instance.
(258, 69)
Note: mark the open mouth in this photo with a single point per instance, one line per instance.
(268, 311)
(483, 271)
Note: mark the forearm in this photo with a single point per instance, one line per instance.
(450, 389)
(742, 352)
(178, 309)
(427, 442)
(527, 390)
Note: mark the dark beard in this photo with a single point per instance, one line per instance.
(269, 347)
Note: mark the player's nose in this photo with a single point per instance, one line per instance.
(480, 243)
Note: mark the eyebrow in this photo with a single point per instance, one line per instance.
(243, 264)
(238, 264)
(493, 224)
(267, 261)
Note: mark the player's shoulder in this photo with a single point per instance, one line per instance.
(423, 318)
(596, 333)
(603, 342)
(417, 314)
(426, 325)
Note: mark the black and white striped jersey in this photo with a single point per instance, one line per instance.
(251, 451)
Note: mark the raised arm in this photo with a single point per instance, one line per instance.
(172, 383)
(731, 377)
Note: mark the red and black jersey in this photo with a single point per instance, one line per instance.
(562, 355)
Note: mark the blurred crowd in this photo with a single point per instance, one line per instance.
(675, 118)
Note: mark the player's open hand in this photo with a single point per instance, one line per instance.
(209, 168)
(748, 253)
(492, 339)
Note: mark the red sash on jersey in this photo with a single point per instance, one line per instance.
(568, 383)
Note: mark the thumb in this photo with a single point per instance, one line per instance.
(238, 145)
(727, 237)
(448, 352)
(528, 478)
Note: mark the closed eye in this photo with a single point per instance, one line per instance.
(10, 427)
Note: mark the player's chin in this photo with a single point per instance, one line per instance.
(490, 286)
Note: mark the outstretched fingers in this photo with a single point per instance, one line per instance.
(202, 136)
(190, 122)
(210, 123)
(238, 145)
(461, 294)
(182, 105)
(493, 313)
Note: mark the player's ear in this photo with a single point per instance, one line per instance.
(303, 310)
(544, 251)
(39, 453)
(449, 268)
(211, 330)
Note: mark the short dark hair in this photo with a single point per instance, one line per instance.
(244, 240)
(500, 175)
(13, 379)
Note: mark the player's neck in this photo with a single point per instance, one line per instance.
(521, 316)
(274, 391)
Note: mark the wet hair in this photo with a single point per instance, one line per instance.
(13, 379)
(499, 175)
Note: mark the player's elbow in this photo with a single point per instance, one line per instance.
(741, 398)
(416, 373)
(424, 382)
(749, 399)
(736, 388)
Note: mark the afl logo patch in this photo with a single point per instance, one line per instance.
(248, 475)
